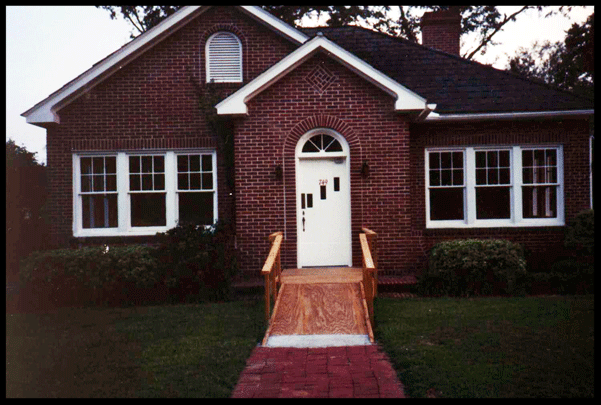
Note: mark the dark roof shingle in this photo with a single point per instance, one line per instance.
(455, 84)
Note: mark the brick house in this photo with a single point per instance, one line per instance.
(316, 133)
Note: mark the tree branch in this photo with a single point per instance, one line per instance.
(488, 38)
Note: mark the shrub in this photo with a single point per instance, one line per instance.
(471, 266)
(94, 267)
(198, 262)
(90, 274)
(580, 235)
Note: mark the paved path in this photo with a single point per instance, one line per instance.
(328, 372)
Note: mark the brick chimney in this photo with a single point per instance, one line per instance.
(441, 30)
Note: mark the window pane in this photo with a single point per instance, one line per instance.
(446, 178)
(207, 163)
(86, 165)
(146, 164)
(207, 181)
(182, 163)
(134, 164)
(86, 183)
(134, 182)
(147, 182)
(148, 209)
(335, 147)
(493, 202)
(98, 165)
(99, 211)
(194, 181)
(159, 182)
(182, 182)
(539, 202)
(111, 164)
(98, 183)
(159, 164)
(196, 208)
(458, 160)
(435, 178)
(434, 158)
(446, 204)
(194, 163)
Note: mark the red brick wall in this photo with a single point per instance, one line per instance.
(152, 103)
(442, 30)
(543, 244)
(277, 119)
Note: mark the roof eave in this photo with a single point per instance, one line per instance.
(496, 116)
(406, 100)
(44, 112)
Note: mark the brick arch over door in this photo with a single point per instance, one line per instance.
(289, 181)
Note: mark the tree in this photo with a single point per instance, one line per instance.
(486, 21)
(567, 64)
(26, 195)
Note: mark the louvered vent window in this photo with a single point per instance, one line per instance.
(224, 58)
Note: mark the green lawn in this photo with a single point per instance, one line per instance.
(159, 351)
(490, 347)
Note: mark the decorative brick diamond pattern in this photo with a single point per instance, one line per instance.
(320, 78)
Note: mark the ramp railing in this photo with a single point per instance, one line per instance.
(272, 271)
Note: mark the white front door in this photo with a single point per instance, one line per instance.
(323, 212)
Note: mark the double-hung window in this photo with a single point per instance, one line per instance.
(130, 193)
(494, 187)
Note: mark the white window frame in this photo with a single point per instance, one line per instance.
(236, 67)
(516, 215)
(123, 201)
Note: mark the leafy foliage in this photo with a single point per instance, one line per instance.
(198, 258)
(568, 64)
(93, 267)
(580, 234)
(26, 195)
(472, 266)
(485, 21)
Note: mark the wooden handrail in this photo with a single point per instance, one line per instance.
(369, 271)
(272, 270)
(372, 240)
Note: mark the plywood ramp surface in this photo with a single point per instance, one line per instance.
(319, 309)
(322, 275)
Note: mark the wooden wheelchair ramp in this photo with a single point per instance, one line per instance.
(320, 307)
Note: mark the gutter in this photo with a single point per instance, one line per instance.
(434, 117)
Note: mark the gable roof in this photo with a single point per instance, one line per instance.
(406, 100)
(45, 111)
(454, 84)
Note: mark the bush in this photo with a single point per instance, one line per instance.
(198, 262)
(580, 235)
(66, 277)
(94, 267)
(466, 267)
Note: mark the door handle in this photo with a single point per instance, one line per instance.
(303, 224)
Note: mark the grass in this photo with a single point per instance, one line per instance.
(487, 347)
(490, 347)
(160, 351)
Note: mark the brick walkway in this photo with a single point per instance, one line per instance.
(331, 372)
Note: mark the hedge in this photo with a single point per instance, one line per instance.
(474, 267)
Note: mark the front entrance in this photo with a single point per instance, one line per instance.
(323, 200)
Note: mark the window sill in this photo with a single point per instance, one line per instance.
(495, 224)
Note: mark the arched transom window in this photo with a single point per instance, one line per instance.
(224, 58)
(322, 143)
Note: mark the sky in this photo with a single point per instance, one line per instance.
(48, 46)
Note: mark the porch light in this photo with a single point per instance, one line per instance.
(365, 169)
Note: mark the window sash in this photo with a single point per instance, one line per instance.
(509, 175)
(167, 170)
